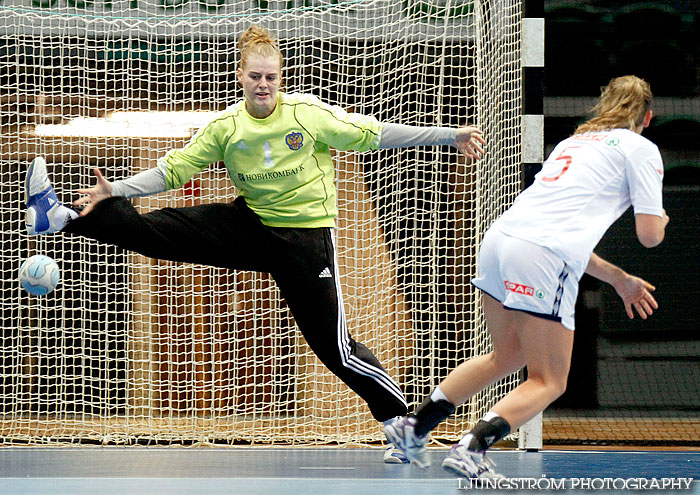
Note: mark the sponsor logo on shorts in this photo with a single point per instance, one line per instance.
(519, 288)
(539, 294)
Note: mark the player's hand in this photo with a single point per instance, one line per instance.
(469, 142)
(636, 296)
(101, 190)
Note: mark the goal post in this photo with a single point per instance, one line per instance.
(130, 350)
(530, 435)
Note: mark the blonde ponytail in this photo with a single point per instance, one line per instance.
(256, 41)
(623, 104)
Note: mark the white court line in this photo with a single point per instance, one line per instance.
(328, 467)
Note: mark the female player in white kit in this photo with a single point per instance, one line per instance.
(530, 263)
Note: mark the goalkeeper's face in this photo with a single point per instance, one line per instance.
(261, 78)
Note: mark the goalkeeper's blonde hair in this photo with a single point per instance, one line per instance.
(623, 104)
(257, 41)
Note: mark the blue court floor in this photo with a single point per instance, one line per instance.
(325, 471)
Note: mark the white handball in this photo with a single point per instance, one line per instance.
(39, 275)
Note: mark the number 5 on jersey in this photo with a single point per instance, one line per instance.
(567, 159)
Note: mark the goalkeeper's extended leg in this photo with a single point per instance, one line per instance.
(222, 235)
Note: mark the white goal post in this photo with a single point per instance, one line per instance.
(130, 350)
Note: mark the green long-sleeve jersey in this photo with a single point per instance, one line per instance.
(281, 164)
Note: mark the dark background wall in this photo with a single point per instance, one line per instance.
(650, 367)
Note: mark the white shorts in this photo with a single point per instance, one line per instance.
(526, 277)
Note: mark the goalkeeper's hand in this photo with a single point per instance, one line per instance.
(101, 190)
(469, 141)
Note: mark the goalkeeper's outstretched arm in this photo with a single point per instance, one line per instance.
(151, 181)
(468, 140)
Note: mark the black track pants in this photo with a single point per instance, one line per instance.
(302, 262)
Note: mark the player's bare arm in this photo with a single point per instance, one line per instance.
(634, 291)
(651, 229)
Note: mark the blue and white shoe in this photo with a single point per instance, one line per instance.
(45, 214)
(402, 435)
(394, 455)
(469, 464)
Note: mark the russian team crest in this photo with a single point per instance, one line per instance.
(295, 140)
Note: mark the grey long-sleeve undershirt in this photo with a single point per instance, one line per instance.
(152, 181)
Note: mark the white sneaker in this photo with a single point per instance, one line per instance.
(45, 214)
(401, 434)
(394, 455)
(469, 464)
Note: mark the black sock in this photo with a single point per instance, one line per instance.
(486, 433)
(430, 414)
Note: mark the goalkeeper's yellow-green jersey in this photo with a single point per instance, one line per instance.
(281, 164)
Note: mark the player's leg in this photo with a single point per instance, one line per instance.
(471, 376)
(467, 379)
(507, 356)
(223, 235)
(541, 297)
(309, 282)
(307, 276)
(547, 348)
(539, 302)
(219, 235)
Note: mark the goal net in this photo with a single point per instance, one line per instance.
(131, 350)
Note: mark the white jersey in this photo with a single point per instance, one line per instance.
(587, 183)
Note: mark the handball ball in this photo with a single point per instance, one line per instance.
(39, 275)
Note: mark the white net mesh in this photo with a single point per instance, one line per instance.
(133, 350)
